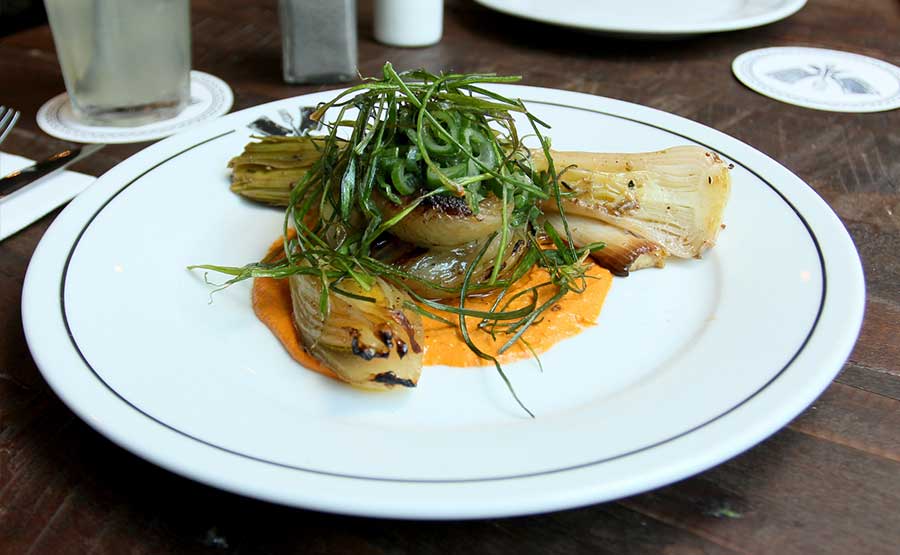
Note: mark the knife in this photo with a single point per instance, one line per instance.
(56, 163)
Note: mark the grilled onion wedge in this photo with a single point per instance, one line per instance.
(372, 344)
(447, 266)
(444, 220)
(674, 197)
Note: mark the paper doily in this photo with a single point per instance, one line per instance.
(210, 98)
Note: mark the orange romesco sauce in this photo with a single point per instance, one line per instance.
(272, 305)
(573, 313)
(443, 342)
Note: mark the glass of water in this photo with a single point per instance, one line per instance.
(125, 62)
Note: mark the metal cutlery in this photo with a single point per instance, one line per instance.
(59, 161)
(8, 119)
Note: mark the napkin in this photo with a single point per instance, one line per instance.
(36, 200)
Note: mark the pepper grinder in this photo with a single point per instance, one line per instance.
(409, 23)
(318, 40)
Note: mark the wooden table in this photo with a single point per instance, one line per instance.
(828, 483)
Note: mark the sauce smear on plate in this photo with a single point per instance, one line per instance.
(443, 344)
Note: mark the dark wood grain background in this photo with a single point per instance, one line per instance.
(827, 483)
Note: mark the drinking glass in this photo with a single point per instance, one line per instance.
(124, 62)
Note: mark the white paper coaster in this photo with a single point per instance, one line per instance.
(210, 98)
(821, 79)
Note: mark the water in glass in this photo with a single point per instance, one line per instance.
(124, 62)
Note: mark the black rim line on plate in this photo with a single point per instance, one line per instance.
(800, 349)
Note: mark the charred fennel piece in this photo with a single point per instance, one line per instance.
(623, 251)
(674, 197)
(365, 336)
(268, 168)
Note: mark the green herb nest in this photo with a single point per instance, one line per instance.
(413, 136)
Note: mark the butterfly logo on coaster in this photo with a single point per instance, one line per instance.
(821, 79)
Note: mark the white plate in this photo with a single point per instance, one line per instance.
(659, 18)
(686, 367)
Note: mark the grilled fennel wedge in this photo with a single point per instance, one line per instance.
(367, 339)
(675, 197)
(623, 251)
(270, 166)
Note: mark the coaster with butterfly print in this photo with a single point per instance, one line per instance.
(821, 79)
(210, 98)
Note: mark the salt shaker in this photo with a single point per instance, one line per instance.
(409, 22)
(318, 40)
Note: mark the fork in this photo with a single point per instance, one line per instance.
(8, 119)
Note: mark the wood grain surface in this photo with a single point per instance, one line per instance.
(828, 483)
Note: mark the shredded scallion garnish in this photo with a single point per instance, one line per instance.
(404, 139)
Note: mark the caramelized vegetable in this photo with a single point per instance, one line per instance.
(445, 221)
(675, 197)
(367, 339)
(623, 251)
(447, 266)
(268, 168)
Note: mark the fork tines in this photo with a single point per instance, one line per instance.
(8, 119)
